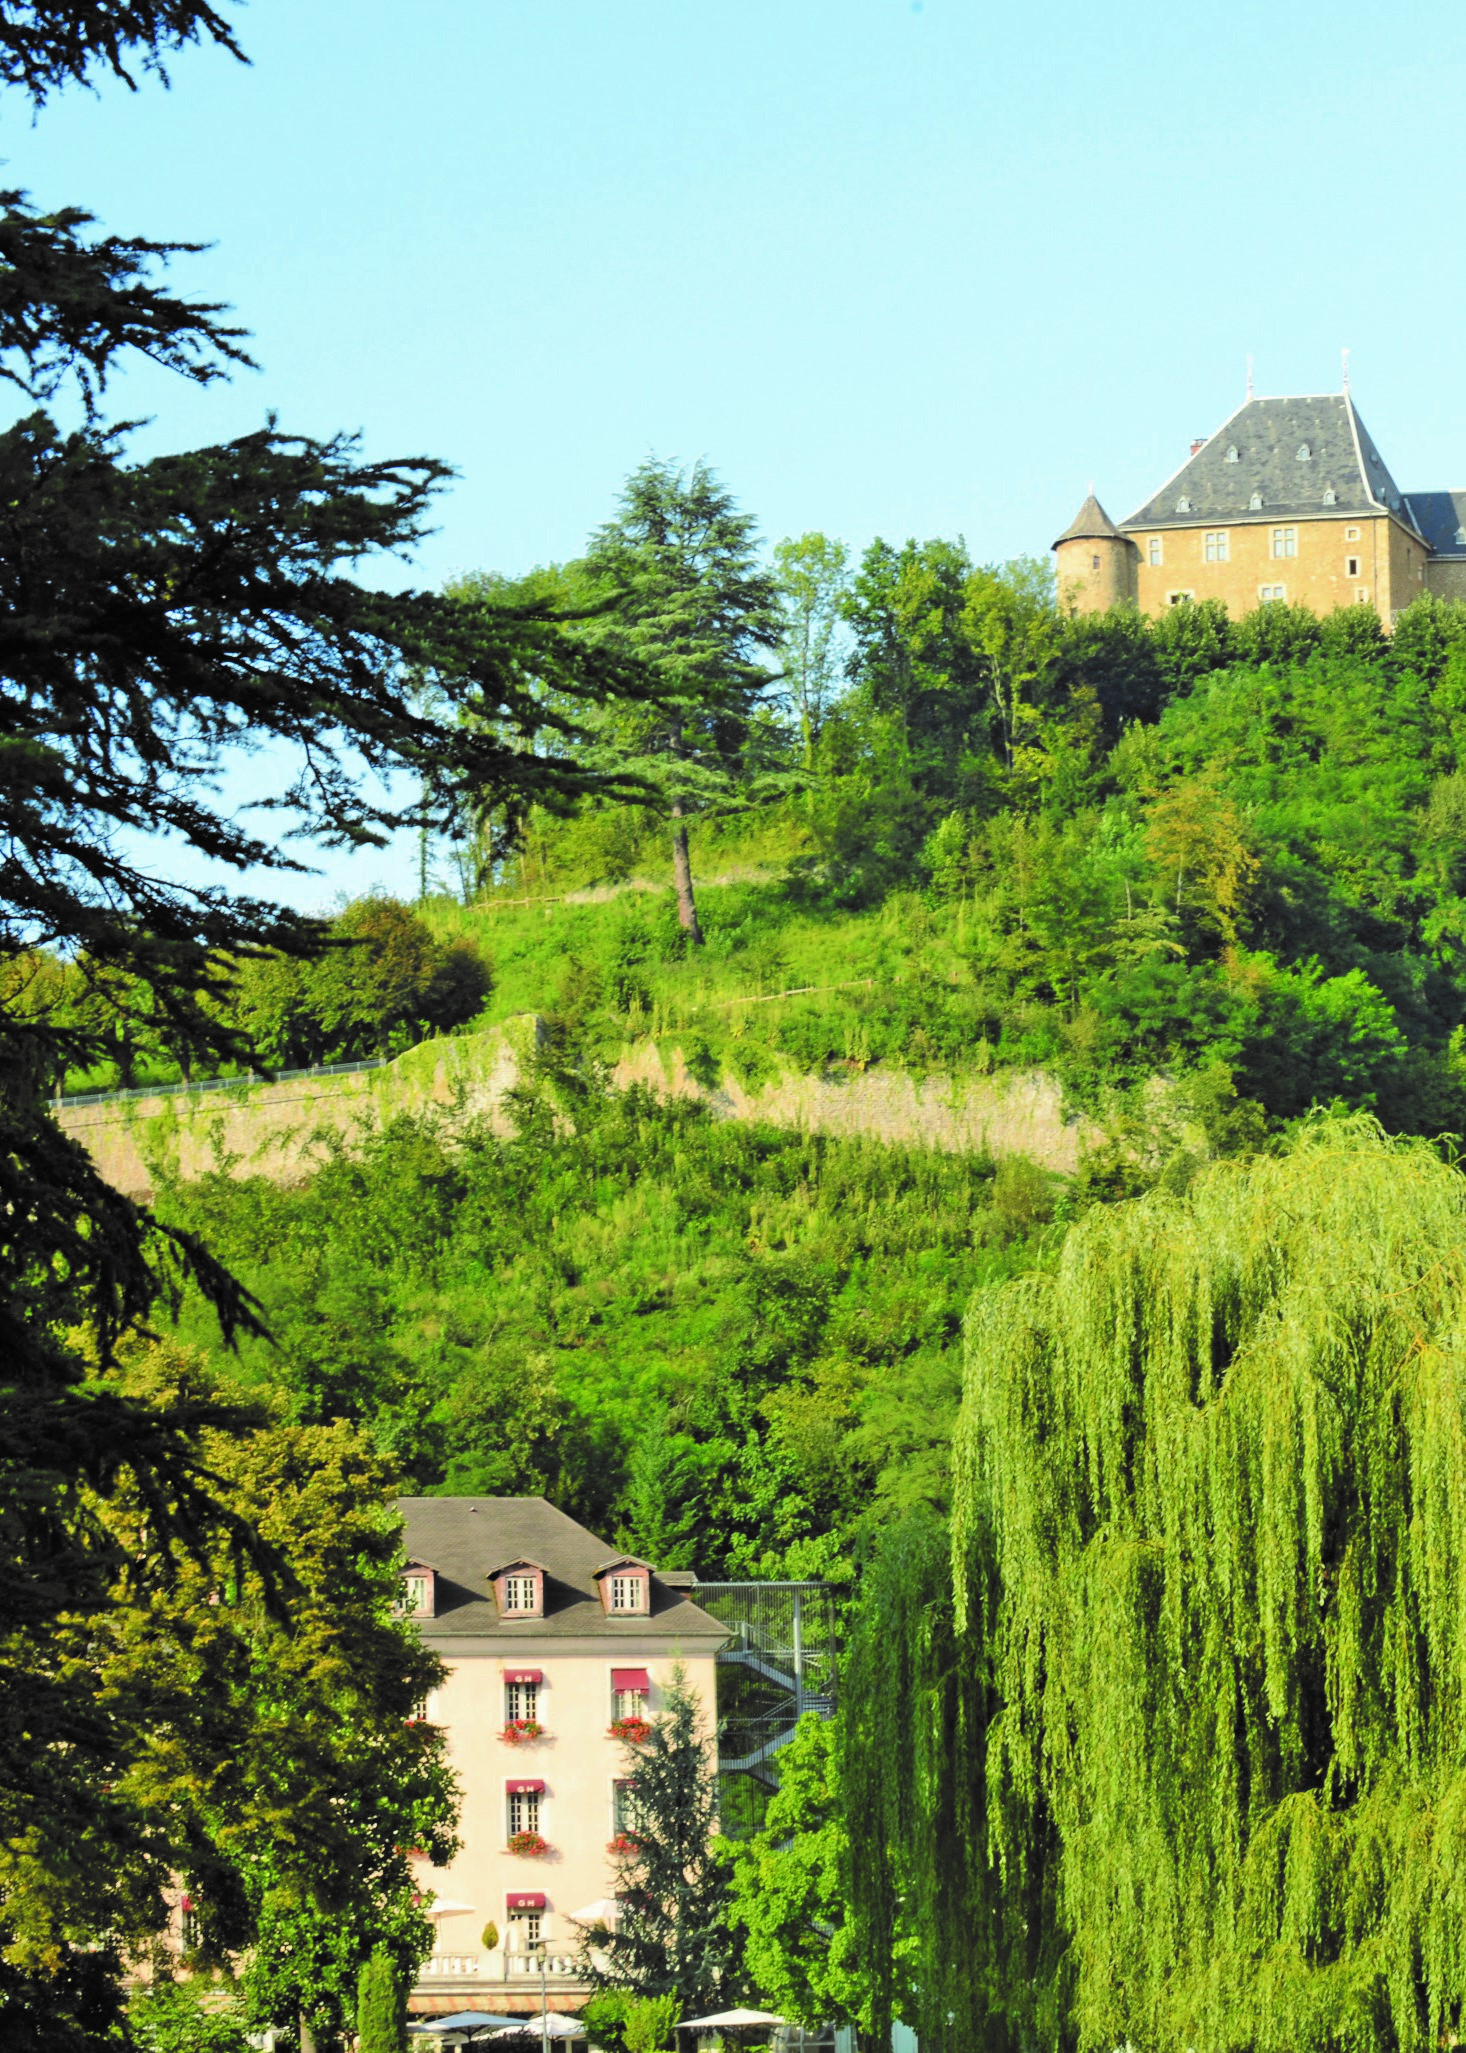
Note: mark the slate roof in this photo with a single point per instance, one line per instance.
(466, 1538)
(1441, 518)
(1267, 435)
(1091, 523)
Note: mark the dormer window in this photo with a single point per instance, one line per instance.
(519, 1589)
(626, 1587)
(1183, 504)
(417, 1596)
(1305, 454)
(1330, 497)
(1255, 502)
(1231, 455)
(1461, 538)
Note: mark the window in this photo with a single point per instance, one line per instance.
(1179, 598)
(1285, 541)
(1361, 595)
(625, 1816)
(1231, 456)
(1271, 594)
(629, 1687)
(1351, 534)
(1330, 497)
(524, 1811)
(1094, 563)
(519, 1593)
(1154, 550)
(1255, 502)
(188, 1921)
(415, 1590)
(1183, 504)
(1351, 566)
(628, 1593)
(521, 1702)
(1217, 546)
(524, 1930)
(1305, 454)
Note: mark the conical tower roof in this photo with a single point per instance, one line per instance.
(1091, 523)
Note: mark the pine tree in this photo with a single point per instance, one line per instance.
(695, 608)
(673, 1935)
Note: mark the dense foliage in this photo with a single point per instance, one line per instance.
(720, 1343)
(1208, 1554)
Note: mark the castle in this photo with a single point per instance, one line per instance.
(1288, 500)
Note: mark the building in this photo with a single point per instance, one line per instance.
(1288, 500)
(549, 1638)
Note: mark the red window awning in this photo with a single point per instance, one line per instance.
(524, 1674)
(630, 1678)
(525, 1788)
(527, 1899)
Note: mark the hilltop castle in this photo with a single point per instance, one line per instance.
(1289, 499)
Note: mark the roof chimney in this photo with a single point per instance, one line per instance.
(1199, 443)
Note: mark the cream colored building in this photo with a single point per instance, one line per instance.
(540, 1625)
(1288, 500)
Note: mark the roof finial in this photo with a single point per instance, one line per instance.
(1249, 377)
(1346, 373)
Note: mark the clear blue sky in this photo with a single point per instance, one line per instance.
(893, 269)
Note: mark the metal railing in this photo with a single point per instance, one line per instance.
(777, 1664)
(220, 1083)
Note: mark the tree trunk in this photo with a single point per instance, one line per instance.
(682, 877)
(307, 2036)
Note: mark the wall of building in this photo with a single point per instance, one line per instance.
(1445, 576)
(1318, 575)
(1094, 576)
(578, 1762)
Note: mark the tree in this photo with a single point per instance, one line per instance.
(204, 1728)
(157, 617)
(791, 1891)
(672, 1937)
(698, 611)
(812, 573)
(1209, 1548)
(381, 2010)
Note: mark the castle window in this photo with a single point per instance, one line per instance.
(1351, 566)
(1271, 595)
(1361, 596)
(1179, 598)
(1330, 497)
(1255, 501)
(1231, 455)
(1305, 454)
(1183, 504)
(1285, 541)
(1217, 546)
(1351, 534)
(1154, 550)
(1094, 563)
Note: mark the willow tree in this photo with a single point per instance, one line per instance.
(1210, 1557)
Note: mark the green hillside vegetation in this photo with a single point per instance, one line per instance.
(726, 1345)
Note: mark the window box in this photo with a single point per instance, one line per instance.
(632, 1731)
(528, 1845)
(520, 1730)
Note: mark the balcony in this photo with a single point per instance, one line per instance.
(498, 1968)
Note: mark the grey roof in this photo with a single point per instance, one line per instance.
(1090, 523)
(468, 1537)
(1441, 518)
(1267, 436)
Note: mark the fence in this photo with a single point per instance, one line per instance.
(220, 1083)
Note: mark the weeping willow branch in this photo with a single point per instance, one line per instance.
(1210, 1557)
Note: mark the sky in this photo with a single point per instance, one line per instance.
(893, 267)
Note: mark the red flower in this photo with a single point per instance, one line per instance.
(528, 1843)
(518, 1730)
(623, 1844)
(635, 1731)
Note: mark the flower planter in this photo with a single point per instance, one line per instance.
(623, 1845)
(634, 1731)
(520, 1730)
(528, 1844)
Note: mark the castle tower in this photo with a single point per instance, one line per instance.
(1095, 563)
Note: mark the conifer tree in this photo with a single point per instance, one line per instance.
(673, 1935)
(380, 2008)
